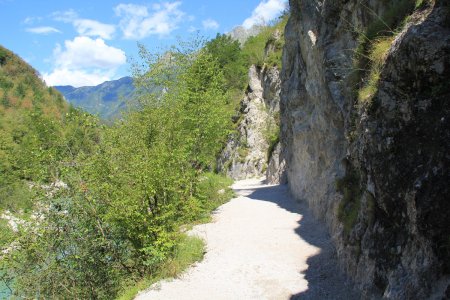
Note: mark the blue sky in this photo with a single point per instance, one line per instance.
(86, 42)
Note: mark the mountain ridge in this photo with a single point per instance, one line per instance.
(107, 99)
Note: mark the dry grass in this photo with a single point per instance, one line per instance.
(377, 56)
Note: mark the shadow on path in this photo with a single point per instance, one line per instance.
(325, 280)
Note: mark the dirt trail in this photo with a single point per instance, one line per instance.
(261, 245)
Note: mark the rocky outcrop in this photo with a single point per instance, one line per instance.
(246, 153)
(376, 172)
(242, 34)
(277, 165)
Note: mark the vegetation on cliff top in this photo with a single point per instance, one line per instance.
(375, 42)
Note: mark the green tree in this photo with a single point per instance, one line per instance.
(230, 58)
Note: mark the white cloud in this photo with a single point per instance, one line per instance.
(32, 20)
(84, 61)
(138, 23)
(86, 52)
(210, 24)
(85, 27)
(67, 16)
(264, 12)
(94, 28)
(76, 78)
(43, 30)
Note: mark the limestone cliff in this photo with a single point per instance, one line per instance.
(375, 168)
(247, 152)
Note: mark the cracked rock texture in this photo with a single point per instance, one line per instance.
(395, 149)
(246, 153)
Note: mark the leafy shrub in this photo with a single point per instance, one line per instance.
(7, 235)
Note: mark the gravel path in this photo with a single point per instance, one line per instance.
(261, 245)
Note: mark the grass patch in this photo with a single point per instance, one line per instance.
(377, 56)
(189, 250)
(374, 44)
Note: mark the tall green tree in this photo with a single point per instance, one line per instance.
(231, 60)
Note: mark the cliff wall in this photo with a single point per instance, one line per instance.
(366, 136)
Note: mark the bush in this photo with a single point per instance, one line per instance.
(188, 250)
(7, 235)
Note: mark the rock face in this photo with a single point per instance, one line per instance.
(242, 34)
(246, 154)
(389, 158)
(276, 173)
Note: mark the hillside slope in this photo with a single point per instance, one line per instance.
(106, 99)
(29, 110)
(21, 89)
(38, 129)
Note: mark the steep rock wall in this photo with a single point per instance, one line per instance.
(246, 153)
(389, 158)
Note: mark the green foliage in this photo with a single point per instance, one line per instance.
(3, 55)
(243, 153)
(187, 251)
(387, 24)
(230, 59)
(272, 134)
(130, 186)
(7, 235)
(32, 133)
(16, 196)
(273, 142)
(212, 191)
(349, 207)
(255, 47)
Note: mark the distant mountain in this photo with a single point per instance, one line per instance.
(241, 34)
(107, 99)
